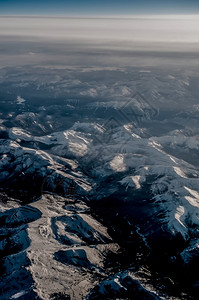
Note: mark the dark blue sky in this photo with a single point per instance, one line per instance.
(99, 7)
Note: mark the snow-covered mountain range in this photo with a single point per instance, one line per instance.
(99, 191)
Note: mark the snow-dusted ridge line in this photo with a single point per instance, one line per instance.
(40, 163)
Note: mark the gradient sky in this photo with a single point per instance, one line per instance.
(98, 7)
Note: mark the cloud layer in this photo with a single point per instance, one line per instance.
(35, 39)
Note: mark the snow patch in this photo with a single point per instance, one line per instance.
(117, 164)
(132, 181)
(20, 100)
